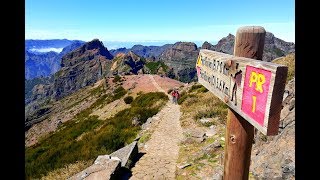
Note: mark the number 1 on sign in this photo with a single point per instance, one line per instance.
(254, 99)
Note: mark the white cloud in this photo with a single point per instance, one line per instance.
(58, 50)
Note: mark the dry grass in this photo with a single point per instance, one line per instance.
(203, 165)
(203, 103)
(288, 60)
(67, 171)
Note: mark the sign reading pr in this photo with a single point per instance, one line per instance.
(252, 88)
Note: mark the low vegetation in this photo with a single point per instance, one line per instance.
(288, 60)
(154, 66)
(116, 78)
(184, 95)
(128, 99)
(118, 93)
(63, 147)
(197, 103)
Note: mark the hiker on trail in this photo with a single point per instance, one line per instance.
(175, 96)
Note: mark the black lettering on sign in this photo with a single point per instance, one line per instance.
(225, 69)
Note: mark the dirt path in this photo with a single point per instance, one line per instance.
(162, 149)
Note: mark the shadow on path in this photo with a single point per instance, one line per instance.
(125, 173)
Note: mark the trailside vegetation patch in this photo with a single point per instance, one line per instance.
(99, 137)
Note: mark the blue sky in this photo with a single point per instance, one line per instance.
(155, 20)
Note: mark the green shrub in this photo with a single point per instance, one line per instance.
(97, 91)
(203, 89)
(145, 100)
(183, 98)
(118, 93)
(218, 110)
(155, 65)
(128, 99)
(195, 87)
(198, 88)
(116, 78)
(278, 52)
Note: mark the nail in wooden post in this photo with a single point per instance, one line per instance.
(249, 43)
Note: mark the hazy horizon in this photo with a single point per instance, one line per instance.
(117, 44)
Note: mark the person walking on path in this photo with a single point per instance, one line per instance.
(175, 96)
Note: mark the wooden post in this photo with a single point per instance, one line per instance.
(249, 43)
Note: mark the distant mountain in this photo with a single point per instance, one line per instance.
(46, 64)
(74, 45)
(273, 47)
(181, 57)
(81, 67)
(143, 51)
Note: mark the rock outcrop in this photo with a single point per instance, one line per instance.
(108, 166)
(182, 58)
(224, 45)
(129, 63)
(273, 47)
(89, 51)
(82, 67)
(207, 45)
(75, 44)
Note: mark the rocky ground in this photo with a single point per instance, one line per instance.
(162, 150)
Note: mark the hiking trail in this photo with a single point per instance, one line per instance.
(162, 150)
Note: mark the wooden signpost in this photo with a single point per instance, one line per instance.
(253, 90)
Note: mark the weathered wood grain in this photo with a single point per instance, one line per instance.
(239, 133)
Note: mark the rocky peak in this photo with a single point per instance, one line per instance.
(76, 44)
(185, 46)
(82, 67)
(225, 44)
(269, 39)
(207, 45)
(279, 43)
(134, 61)
(95, 44)
(181, 57)
(88, 51)
(273, 46)
(131, 55)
